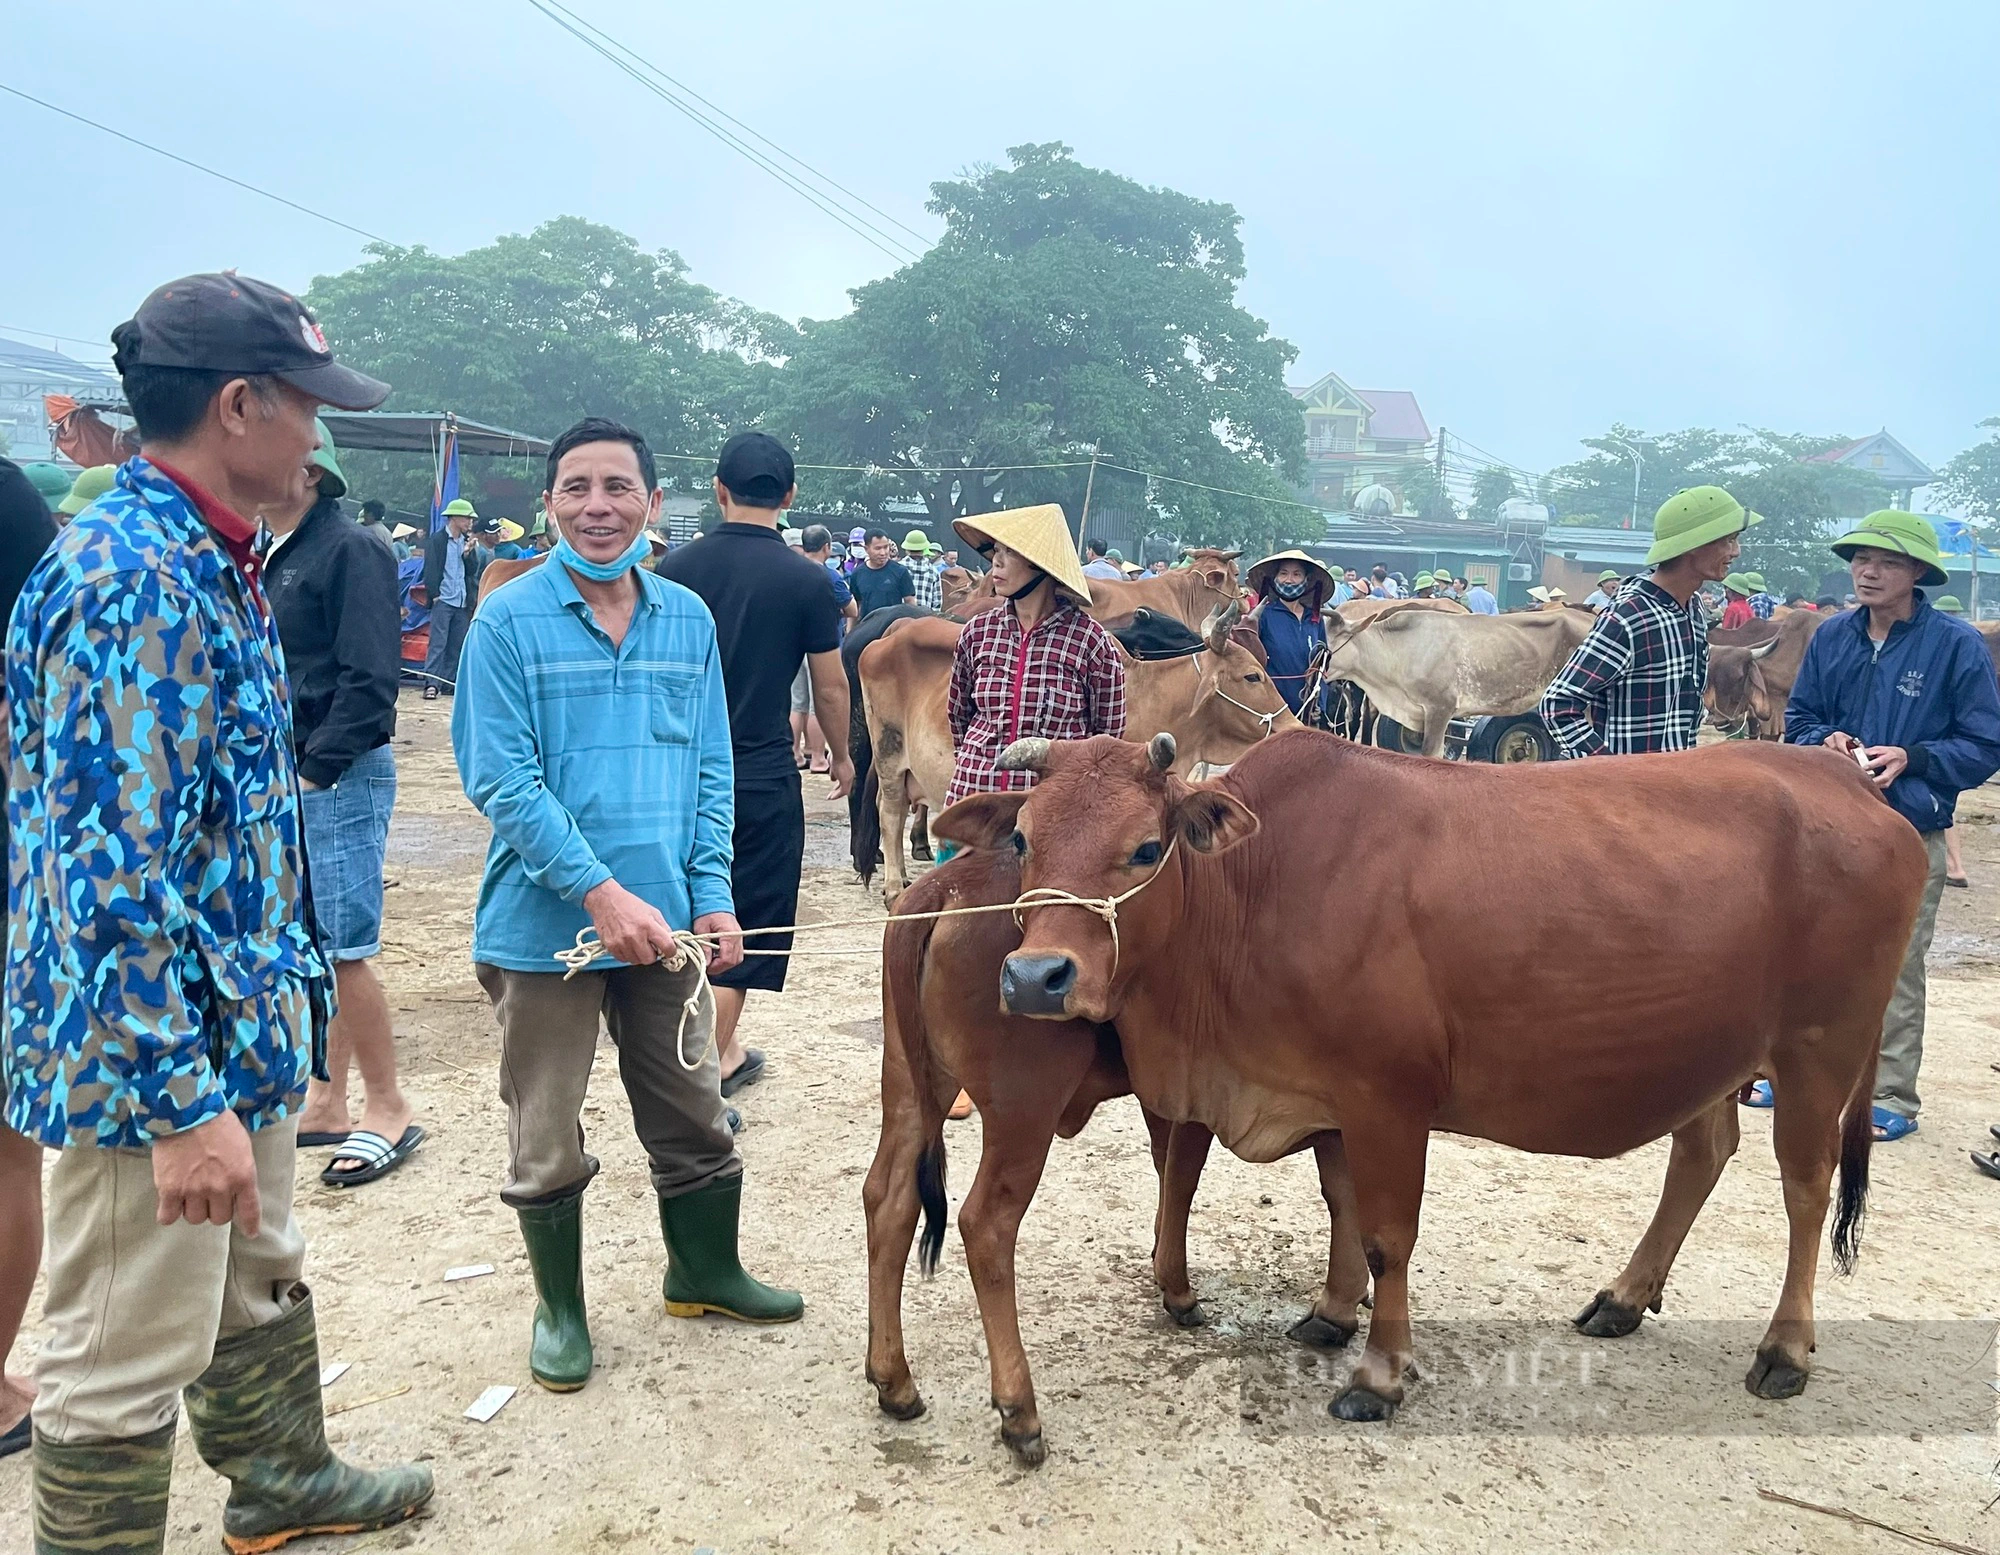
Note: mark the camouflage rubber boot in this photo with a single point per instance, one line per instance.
(103, 1498)
(559, 1355)
(257, 1422)
(703, 1273)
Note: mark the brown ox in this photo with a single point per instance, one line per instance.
(1425, 667)
(1472, 1006)
(1032, 1080)
(1751, 687)
(1190, 595)
(1990, 631)
(503, 570)
(1216, 703)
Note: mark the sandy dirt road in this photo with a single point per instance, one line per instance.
(708, 1436)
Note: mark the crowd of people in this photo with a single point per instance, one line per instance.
(203, 659)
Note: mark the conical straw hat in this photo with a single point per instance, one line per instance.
(1315, 572)
(1039, 533)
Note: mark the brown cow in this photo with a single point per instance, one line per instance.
(1990, 630)
(505, 569)
(1216, 703)
(1031, 1080)
(1751, 687)
(1190, 595)
(1472, 1006)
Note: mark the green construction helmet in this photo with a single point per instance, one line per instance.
(1894, 530)
(331, 482)
(51, 480)
(459, 507)
(1756, 582)
(1690, 519)
(1737, 583)
(90, 485)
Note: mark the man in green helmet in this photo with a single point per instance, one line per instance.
(1909, 693)
(1635, 683)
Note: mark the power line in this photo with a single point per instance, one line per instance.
(890, 469)
(49, 334)
(894, 248)
(724, 113)
(171, 156)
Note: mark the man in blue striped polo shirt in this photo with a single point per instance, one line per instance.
(592, 730)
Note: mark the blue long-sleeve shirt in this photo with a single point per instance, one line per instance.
(593, 763)
(1929, 687)
(1289, 643)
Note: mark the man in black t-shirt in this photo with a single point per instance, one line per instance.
(773, 609)
(881, 581)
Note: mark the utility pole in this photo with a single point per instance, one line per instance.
(1638, 468)
(1089, 481)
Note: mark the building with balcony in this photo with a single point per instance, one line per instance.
(1357, 438)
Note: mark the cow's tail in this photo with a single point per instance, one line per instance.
(905, 945)
(864, 829)
(1857, 1138)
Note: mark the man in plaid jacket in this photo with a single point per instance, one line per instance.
(1635, 683)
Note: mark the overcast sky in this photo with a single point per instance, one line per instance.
(1540, 217)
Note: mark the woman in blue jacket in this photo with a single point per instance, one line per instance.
(1290, 588)
(1909, 692)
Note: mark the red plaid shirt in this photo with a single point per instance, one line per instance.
(1064, 681)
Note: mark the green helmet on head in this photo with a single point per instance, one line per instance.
(1894, 530)
(331, 482)
(1690, 519)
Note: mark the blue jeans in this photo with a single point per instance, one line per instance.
(347, 835)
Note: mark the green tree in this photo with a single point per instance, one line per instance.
(1491, 487)
(1971, 482)
(530, 333)
(1803, 504)
(1065, 310)
(1425, 495)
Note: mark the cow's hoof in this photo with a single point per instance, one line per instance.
(1773, 1376)
(1030, 1451)
(1314, 1330)
(1360, 1404)
(899, 1408)
(1192, 1317)
(1608, 1319)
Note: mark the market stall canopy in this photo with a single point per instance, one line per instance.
(419, 432)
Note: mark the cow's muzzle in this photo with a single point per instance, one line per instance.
(1037, 985)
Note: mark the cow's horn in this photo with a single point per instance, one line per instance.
(1762, 649)
(1160, 750)
(1221, 620)
(1024, 756)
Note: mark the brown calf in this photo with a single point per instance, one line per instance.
(1678, 963)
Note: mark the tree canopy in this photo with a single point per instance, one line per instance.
(1801, 503)
(532, 332)
(1066, 310)
(1971, 482)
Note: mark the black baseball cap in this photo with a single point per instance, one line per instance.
(233, 324)
(756, 468)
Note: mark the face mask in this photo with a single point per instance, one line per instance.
(604, 572)
(1291, 590)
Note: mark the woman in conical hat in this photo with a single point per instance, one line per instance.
(1037, 667)
(1290, 588)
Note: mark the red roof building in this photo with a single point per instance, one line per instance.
(1359, 437)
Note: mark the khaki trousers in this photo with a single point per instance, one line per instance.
(134, 1307)
(1903, 1023)
(548, 1039)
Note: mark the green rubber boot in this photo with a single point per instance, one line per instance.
(256, 1418)
(103, 1498)
(703, 1274)
(559, 1355)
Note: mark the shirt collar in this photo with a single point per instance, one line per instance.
(652, 587)
(237, 533)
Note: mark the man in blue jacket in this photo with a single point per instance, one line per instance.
(1910, 692)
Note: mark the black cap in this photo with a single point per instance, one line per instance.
(755, 467)
(233, 324)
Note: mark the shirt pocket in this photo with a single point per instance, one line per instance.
(672, 696)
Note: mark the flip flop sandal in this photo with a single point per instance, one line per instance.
(378, 1157)
(749, 1072)
(1761, 1095)
(22, 1433)
(1993, 1129)
(734, 1119)
(1988, 1162)
(316, 1139)
(961, 1109)
(1957, 880)
(1892, 1126)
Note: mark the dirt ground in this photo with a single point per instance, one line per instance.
(713, 1437)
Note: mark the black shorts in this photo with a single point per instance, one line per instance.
(770, 847)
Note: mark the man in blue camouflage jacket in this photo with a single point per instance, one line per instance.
(164, 995)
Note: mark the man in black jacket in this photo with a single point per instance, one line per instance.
(453, 562)
(332, 587)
